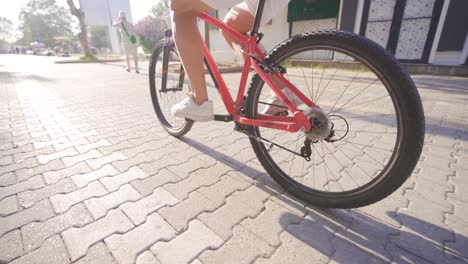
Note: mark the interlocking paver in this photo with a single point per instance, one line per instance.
(243, 247)
(54, 176)
(27, 173)
(100, 206)
(149, 184)
(148, 258)
(99, 162)
(84, 179)
(98, 254)
(197, 179)
(269, 224)
(36, 233)
(70, 144)
(124, 248)
(9, 205)
(154, 167)
(124, 165)
(238, 206)
(52, 247)
(10, 246)
(62, 202)
(114, 183)
(78, 240)
(376, 234)
(121, 146)
(82, 135)
(423, 220)
(43, 159)
(138, 211)
(185, 247)
(39, 145)
(31, 184)
(182, 213)
(83, 148)
(39, 212)
(218, 192)
(70, 161)
(194, 163)
(27, 163)
(18, 157)
(7, 179)
(29, 198)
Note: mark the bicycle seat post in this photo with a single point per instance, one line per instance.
(258, 17)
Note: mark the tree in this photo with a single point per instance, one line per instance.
(6, 28)
(42, 20)
(83, 35)
(151, 29)
(158, 9)
(99, 36)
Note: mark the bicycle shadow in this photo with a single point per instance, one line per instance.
(367, 239)
(351, 236)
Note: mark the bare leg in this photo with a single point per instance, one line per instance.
(135, 59)
(189, 44)
(240, 18)
(128, 61)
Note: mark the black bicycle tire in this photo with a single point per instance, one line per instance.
(184, 129)
(409, 105)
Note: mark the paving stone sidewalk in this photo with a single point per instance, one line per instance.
(87, 175)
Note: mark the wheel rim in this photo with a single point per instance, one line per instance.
(165, 100)
(334, 166)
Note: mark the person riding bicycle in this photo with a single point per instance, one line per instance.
(188, 41)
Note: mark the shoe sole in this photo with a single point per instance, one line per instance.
(197, 118)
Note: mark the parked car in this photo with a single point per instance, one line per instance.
(46, 52)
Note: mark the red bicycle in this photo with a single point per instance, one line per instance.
(354, 137)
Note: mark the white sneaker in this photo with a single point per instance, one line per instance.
(191, 110)
(275, 100)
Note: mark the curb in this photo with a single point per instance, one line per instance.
(428, 69)
(87, 61)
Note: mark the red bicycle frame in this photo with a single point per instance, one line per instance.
(255, 53)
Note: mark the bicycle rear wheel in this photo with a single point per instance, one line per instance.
(369, 129)
(168, 86)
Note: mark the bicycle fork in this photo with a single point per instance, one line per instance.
(165, 71)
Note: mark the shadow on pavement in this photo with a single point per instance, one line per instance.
(371, 237)
(454, 86)
(375, 238)
(26, 76)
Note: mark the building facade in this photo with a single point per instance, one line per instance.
(103, 13)
(416, 31)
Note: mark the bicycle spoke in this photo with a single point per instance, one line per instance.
(333, 76)
(354, 156)
(373, 100)
(344, 91)
(360, 92)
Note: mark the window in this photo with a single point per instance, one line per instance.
(312, 9)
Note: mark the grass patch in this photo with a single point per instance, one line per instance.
(89, 58)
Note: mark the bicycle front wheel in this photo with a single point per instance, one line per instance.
(368, 132)
(168, 86)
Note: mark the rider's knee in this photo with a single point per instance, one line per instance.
(240, 19)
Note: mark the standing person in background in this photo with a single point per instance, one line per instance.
(129, 39)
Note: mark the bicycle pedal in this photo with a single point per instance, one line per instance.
(223, 118)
